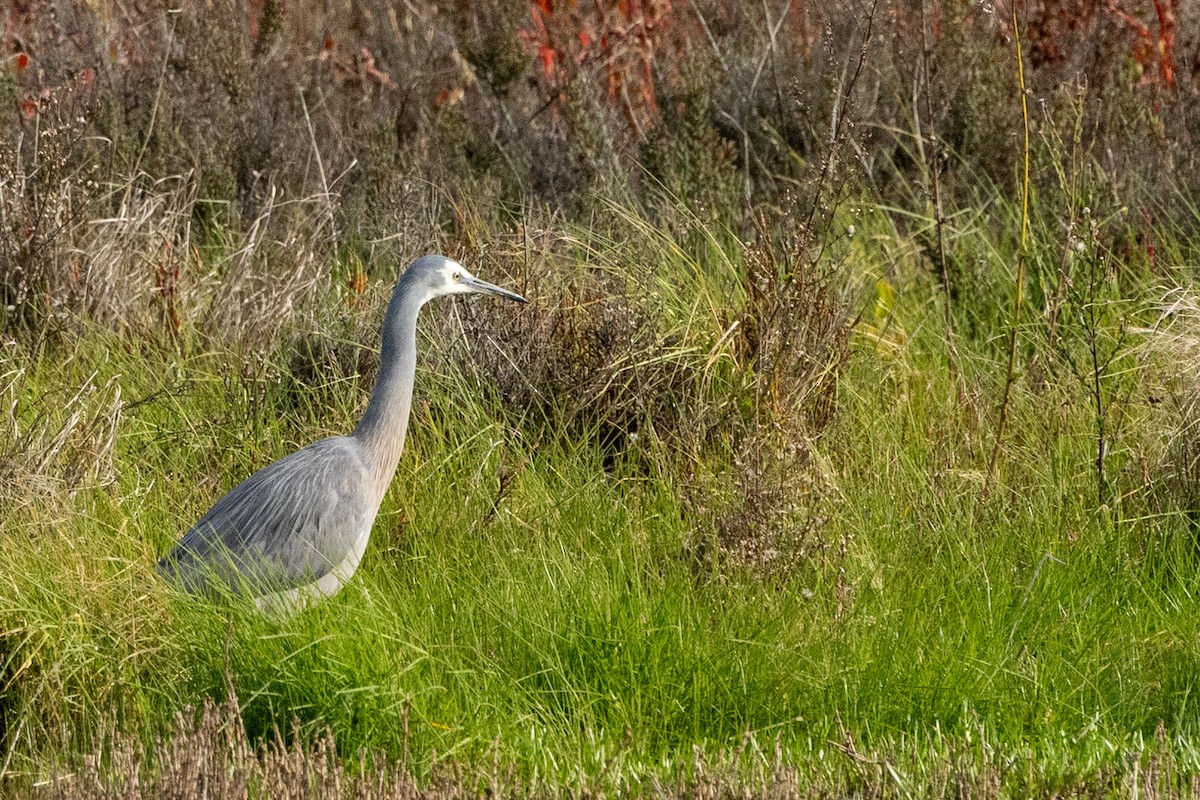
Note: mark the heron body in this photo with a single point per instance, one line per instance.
(296, 530)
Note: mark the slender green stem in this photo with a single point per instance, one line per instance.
(1010, 371)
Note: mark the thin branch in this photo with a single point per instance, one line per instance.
(162, 75)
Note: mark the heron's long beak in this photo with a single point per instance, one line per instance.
(483, 287)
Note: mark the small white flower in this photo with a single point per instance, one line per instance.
(1079, 246)
(850, 230)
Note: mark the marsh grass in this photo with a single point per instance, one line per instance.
(725, 510)
(537, 613)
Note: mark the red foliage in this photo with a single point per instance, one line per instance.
(255, 12)
(1154, 51)
(354, 68)
(614, 40)
(1056, 29)
(32, 104)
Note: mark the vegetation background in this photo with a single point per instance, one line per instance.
(848, 446)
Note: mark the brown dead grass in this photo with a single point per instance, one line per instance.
(208, 756)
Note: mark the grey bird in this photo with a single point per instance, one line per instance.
(295, 531)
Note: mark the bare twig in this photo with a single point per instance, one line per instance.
(325, 190)
(12, 746)
(174, 12)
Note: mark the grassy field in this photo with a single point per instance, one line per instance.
(848, 445)
(563, 609)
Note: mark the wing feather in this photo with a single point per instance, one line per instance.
(288, 524)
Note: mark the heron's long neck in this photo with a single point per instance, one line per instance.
(385, 422)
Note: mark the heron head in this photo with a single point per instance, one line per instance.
(439, 275)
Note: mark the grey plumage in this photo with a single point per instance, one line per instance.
(296, 530)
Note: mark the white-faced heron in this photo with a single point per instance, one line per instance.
(295, 530)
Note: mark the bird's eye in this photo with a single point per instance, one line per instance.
(457, 276)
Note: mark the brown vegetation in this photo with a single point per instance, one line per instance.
(207, 756)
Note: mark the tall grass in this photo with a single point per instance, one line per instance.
(709, 516)
(562, 603)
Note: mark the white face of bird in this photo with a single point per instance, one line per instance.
(455, 279)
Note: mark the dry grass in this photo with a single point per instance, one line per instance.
(552, 105)
(207, 756)
(670, 366)
(1172, 348)
(56, 455)
(48, 191)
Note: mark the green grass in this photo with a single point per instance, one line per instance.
(571, 626)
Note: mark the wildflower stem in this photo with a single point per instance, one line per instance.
(1010, 371)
